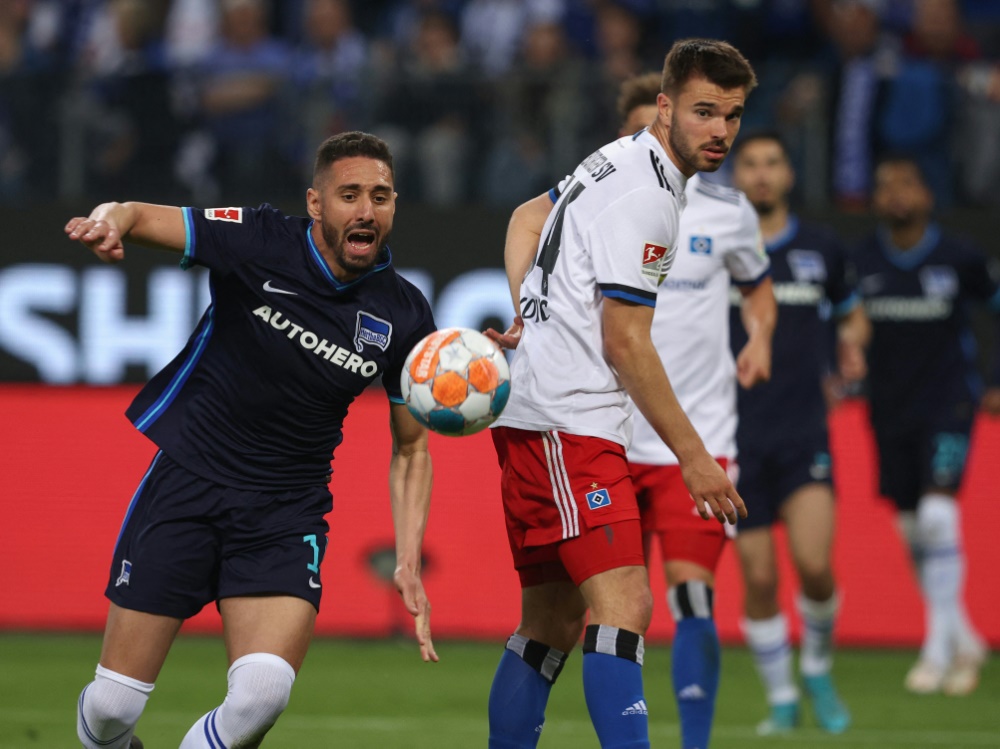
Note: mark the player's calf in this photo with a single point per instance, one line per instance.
(520, 692)
(108, 709)
(259, 687)
(612, 685)
(696, 660)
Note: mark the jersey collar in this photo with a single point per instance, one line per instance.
(911, 258)
(784, 236)
(677, 180)
(385, 262)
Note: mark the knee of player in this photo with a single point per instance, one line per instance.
(937, 521)
(761, 582)
(260, 685)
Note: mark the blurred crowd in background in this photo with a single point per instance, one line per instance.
(486, 101)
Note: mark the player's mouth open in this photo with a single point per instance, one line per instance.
(361, 240)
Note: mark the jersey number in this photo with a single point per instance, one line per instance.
(311, 540)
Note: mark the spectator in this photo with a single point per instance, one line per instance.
(128, 116)
(492, 30)
(240, 82)
(27, 106)
(329, 73)
(426, 111)
(540, 114)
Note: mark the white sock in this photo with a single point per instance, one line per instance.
(108, 709)
(259, 687)
(772, 653)
(816, 656)
(941, 568)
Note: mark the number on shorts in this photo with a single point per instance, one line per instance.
(311, 540)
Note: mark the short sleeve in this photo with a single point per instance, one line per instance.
(222, 238)
(632, 244)
(423, 325)
(746, 258)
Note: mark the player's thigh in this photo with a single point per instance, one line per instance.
(900, 465)
(553, 613)
(620, 597)
(280, 625)
(669, 512)
(809, 516)
(136, 643)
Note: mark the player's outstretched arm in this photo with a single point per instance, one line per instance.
(410, 478)
(523, 232)
(759, 312)
(109, 224)
(630, 350)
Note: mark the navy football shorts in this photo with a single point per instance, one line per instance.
(918, 459)
(769, 473)
(187, 541)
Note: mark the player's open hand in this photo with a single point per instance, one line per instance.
(510, 337)
(100, 236)
(712, 490)
(415, 599)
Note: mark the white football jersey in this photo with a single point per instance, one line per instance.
(611, 233)
(719, 240)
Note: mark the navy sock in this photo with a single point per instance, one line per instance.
(520, 691)
(696, 664)
(612, 684)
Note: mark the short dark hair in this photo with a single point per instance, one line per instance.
(346, 145)
(902, 159)
(638, 91)
(719, 62)
(769, 136)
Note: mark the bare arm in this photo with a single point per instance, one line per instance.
(523, 232)
(854, 331)
(759, 312)
(104, 230)
(630, 350)
(410, 478)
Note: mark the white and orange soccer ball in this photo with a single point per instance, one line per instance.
(456, 381)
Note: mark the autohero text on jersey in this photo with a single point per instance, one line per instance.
(319, 346)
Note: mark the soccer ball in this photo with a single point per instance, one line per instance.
(456, 381)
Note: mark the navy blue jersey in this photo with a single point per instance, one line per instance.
(258, 396)
(809, 269)
(922, 358)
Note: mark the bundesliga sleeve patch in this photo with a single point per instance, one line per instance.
(225, 214)
(652, 260)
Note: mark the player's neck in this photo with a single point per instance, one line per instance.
(908, 236)
(662, 135)
(773, 222)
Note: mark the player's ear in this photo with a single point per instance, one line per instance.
(314, 205)
(665, 108)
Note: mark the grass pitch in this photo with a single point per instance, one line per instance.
(379, 695)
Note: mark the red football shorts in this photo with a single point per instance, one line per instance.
(669, 512)
(568, 503)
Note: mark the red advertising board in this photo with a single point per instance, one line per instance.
(70, 462)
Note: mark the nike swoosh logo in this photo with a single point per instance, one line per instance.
(312, 583)
(269, 287)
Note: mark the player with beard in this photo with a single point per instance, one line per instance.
(584, 275)
(918, 282)
(784, 458)
(305, 314)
